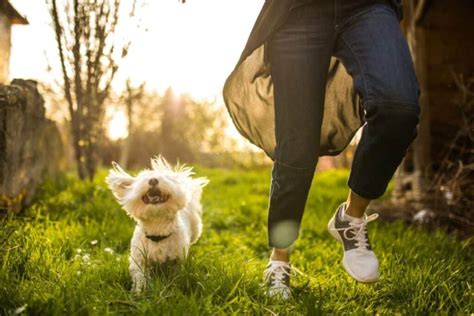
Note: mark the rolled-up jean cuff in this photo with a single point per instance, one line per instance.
(290, 187)
(364, 193)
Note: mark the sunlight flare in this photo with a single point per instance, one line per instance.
(117, 127)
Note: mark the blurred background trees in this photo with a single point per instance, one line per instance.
(89, 54)
(177, 126)
(131, 96)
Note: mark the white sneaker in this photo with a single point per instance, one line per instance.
(277, 279)
(359, 259)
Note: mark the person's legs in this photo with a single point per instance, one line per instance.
(375, 53)
(299, 58)
(299, 55)
(372, 48)
(356, 205)
(280, 254)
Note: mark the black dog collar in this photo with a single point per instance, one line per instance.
(157, 238)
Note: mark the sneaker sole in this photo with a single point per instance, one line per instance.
(335, 234)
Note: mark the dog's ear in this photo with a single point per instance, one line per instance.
(119, 181)
(201, 182)
(159, 163)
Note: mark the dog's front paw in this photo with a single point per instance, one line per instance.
(139, 283)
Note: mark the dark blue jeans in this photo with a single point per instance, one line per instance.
(365, 36)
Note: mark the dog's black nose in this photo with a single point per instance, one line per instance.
(153, 182)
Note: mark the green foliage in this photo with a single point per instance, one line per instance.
(68, 254)
(173, 125)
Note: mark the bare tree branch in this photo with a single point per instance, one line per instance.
(85, 35)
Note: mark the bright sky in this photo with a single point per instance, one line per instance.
(192, 47)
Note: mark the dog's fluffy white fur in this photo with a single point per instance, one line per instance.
(164, 201)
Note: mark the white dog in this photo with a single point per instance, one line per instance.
(165, 203)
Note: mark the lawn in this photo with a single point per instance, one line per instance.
(68, 254)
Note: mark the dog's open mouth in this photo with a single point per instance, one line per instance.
(155, 196)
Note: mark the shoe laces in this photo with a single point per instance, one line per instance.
(358, 230)
(275, 274)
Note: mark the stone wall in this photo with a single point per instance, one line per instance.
(30, 144)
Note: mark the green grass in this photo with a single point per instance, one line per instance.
(68, 254)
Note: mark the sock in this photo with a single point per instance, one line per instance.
(281, 261)
(346, 217)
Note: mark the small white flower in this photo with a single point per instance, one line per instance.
(109, 250)
(78, 250)
(79, 272)
(94, 242)
(20, 309)
(86, 258)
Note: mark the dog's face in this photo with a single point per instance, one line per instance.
(155, 193)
